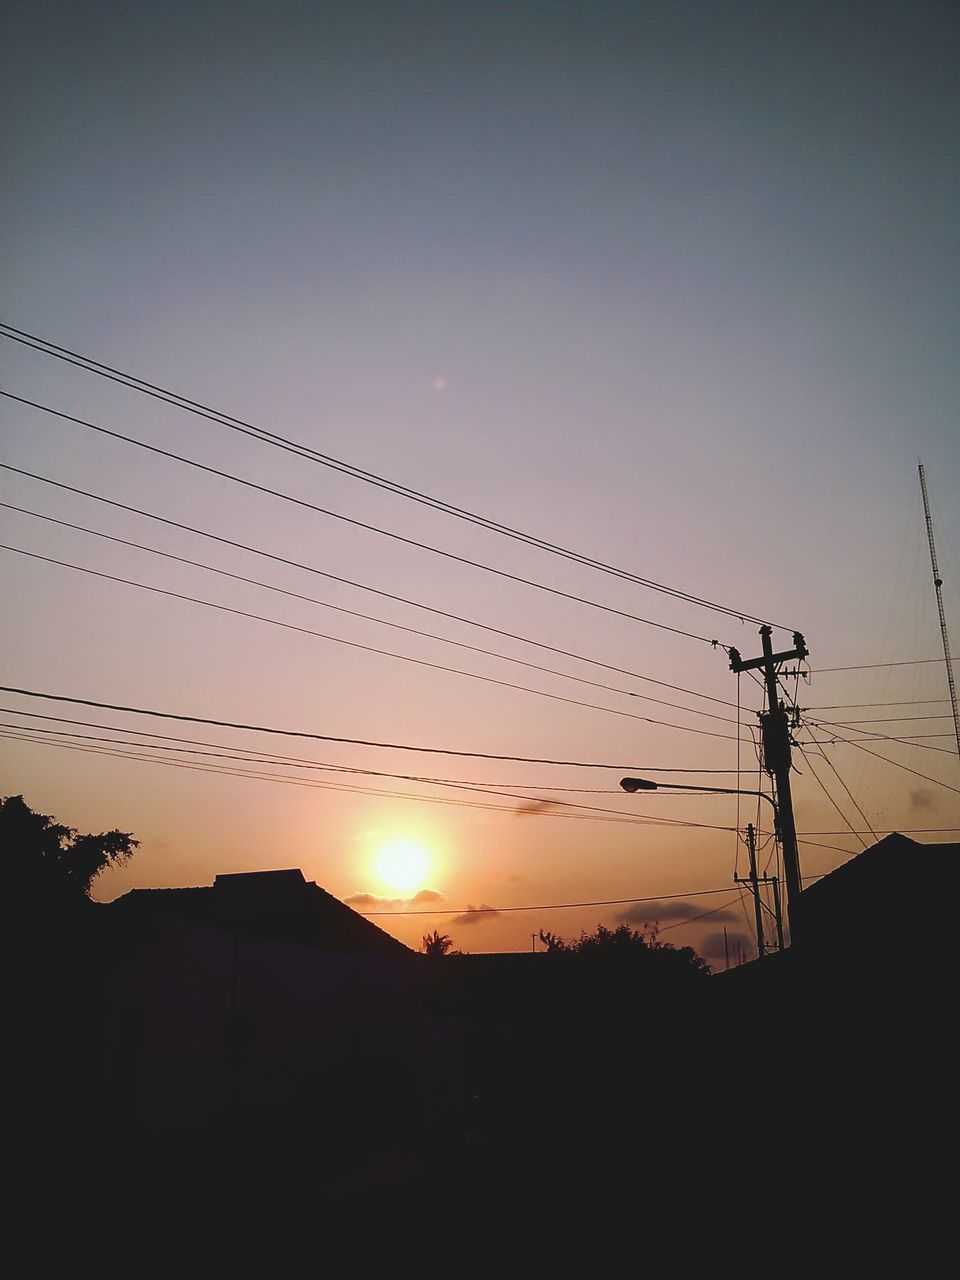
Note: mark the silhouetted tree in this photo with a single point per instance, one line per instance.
(628, 945)
(436, 943)
(47, 864)
(553, 942)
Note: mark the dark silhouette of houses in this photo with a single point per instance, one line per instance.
(878, 918)
(862, 909)
(851, 1030)
(241, 1004)
(272, 904)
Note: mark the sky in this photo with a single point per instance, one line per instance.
(673, 285)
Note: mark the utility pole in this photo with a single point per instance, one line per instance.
(755, 881)
(938, 588)
(754, 885)
(777, 912)
(775, 736)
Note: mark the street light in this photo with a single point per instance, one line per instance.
(632, 785)
(647, 784)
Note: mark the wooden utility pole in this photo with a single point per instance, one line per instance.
(775, 736)
(755, 886)
(777, 913)
(755, 881)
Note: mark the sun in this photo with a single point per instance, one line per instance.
(402, 865)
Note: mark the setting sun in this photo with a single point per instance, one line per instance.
(402, 865)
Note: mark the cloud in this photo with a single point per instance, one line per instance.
(534, 807)
(922, 798)
(425, 897)
(711, 948)
(475, 915)
(370, 902)
(365, 901)
(659, 912)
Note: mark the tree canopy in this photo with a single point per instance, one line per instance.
(436, 943)
(627, 945)
(48, 864)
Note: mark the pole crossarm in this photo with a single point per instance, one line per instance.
(800, 651)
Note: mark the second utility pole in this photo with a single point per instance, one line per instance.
(755, 886)
(775, 735)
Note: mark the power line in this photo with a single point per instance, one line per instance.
(919, 740)
(857, 706)
(607, 902)
(544, 809)
(357, 742)
(822, 786)
(680, 924)
(833, 768)
(255, 756)
(872, 666)
(360, 524)
(354, 613)
(903, 831)
(915, 740)
(816, 844)
(360, 586)
(477, 787)
(878, 719)
(358, 473)
(197, 748)
(565, 906)
(304, 783)
(353, 644)
(858, 743)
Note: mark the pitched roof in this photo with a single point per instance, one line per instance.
(275, 904)
(864, 897)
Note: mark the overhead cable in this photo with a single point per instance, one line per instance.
(352, 644)
(354, 613)
(360, 586)
(359, 742)
(549, 809)
(358, 473)
(361, 524)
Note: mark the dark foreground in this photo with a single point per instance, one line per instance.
(803, 1106)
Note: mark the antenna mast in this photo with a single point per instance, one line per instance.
(938, 587)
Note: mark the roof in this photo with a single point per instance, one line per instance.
(858, 919)
(277, 904)
(865, 896)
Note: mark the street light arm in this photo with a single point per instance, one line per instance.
(645, 784)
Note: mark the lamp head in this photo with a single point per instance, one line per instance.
(637, 784)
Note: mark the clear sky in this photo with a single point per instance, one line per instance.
(671, 284)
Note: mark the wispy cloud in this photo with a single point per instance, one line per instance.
(534, 807)
(922, 798)
(475, 915)
(370, 902)
(658, 912)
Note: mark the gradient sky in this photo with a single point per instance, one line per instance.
(673, 284)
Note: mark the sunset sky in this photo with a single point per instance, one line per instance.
(670, 284)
